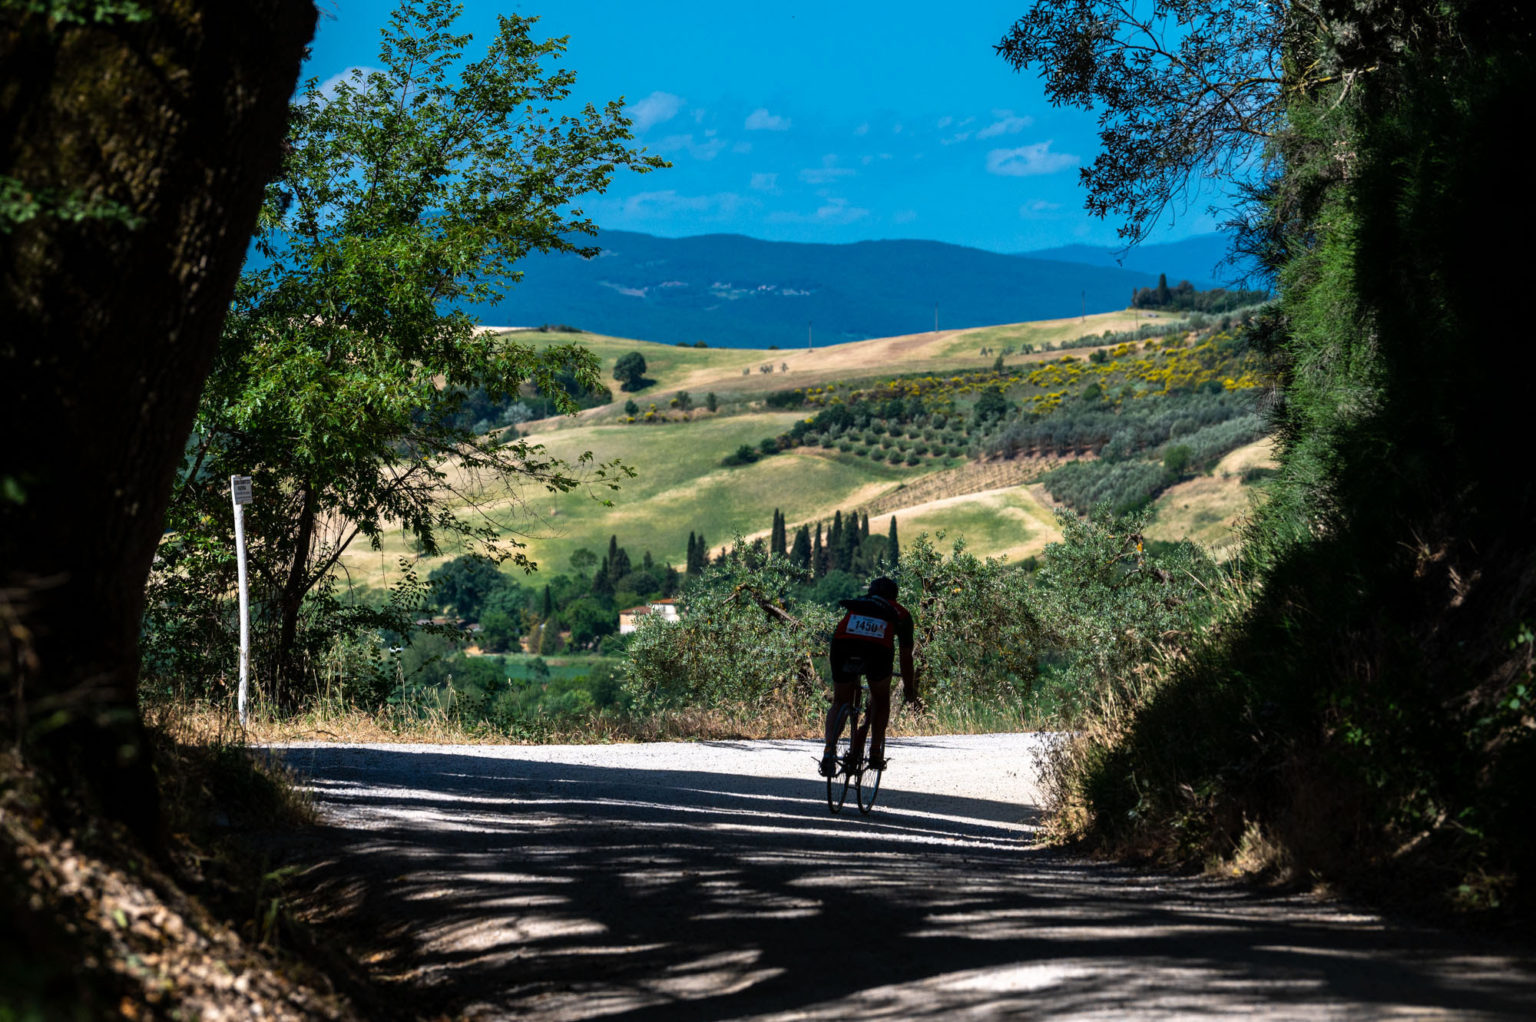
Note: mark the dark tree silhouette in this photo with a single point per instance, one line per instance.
(142, 147)
(629, 370)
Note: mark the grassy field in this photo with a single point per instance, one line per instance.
(1208, 509)
(681, 486)
(1050, 331)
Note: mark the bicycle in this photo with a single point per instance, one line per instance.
(852, 767)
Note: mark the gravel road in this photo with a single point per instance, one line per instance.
(707, 880)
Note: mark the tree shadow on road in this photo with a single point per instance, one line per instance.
(500, 885)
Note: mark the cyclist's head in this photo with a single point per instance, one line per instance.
(883, 587)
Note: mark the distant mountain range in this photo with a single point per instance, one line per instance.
(732, 291)
(1201, 260)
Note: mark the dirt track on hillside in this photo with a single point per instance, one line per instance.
(708, 880)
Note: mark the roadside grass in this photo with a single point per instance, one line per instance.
(788, 716)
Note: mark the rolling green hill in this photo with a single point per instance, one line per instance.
(681, 486)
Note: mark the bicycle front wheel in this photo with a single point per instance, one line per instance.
(869, 789)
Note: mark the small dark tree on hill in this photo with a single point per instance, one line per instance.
(629, 370)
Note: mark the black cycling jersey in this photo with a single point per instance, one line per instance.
(865, 640)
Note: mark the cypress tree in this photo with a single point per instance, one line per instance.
(843, 552)
(835, 540)
(892, 548)
(818, 555)
(864, 527)
(800, 553)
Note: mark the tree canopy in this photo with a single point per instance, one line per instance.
(1187, 90)
(629, 369)
(408, 193)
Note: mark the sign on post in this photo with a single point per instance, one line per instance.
(240, 491)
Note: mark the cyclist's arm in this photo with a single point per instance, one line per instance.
(908, 675)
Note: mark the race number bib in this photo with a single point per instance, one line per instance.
(865, 627)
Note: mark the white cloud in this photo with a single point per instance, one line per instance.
(833, 210)
(1029, 160)
(838, 211)
(707, 149)
(1007, 123)
(761, 120)
(765, 182)
(666, 204)
(828, 172)
(862, 129)
(1040, 209)
(654, 109)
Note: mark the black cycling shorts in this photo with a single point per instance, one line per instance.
(851, 660)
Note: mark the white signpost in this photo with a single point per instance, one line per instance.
(240, 491)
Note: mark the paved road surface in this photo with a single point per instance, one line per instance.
(708, 880)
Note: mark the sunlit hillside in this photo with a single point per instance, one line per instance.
(681, 485)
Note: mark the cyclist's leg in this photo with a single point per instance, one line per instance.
(843, 692)
(879, 715)
(842, 695)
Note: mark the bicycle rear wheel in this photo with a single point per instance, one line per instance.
(837, 783)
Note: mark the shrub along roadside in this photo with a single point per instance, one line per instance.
(1048, 646)
(1367, 715)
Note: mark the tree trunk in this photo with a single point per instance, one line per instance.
(146, 145)
(290, 669)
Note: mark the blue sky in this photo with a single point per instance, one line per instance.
(823, 122)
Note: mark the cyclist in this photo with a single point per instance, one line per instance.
(873, 628)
